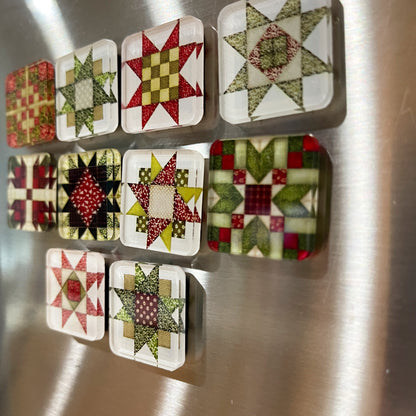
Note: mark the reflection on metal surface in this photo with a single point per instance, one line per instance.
(66, 378)
(163, 12)
(173, 397)
(356, 301)
(51, 23)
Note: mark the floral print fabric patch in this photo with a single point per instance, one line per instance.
(162, 200)
(163, 76)
(89, 195)
(263, 196)
(31, 192)
(30, 104)
(75, 289)
(147, 313)
(87, 91)
(275, 58)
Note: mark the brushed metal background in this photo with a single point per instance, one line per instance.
(334, 335)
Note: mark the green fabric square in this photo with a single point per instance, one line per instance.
(228, 147)
(155, 96)
(290, 254)
(224, 247)
(178, 229)
(273, 52)
(146, 60)
(213, 233)
(164, 82)
(295, 144)
(164, 56)
(141, 224)
(181, 177)
(306, 242)
(155, 71)
(146, 86)
(173, 67)
(173, 93)
(145, 176)
(215, 162)
(310, 160)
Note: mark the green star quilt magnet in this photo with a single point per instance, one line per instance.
(275, 58)
(147, 313)
(87, 92)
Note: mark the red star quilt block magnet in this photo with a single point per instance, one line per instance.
(30, 104)
(162, 200)
(163, 76)
(31, 192)
(75, 293)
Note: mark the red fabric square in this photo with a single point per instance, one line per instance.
(31, 113)
(74, 290)
(36, 88)
(214, 245)
(294, 160)
(277, 224)
(258, 199)
(239, 176)
(24, 115)
(225, 235)
(146, 309)
(36, 121)
(228, 162)
(279, 176)
(310, 144)
(31, 99)
(237, 221)
(24, 102)
(216, 148)
(290, 241)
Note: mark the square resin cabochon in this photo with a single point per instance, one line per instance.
(87, 92)
(30, 104)
(75, 292)
(161, 201)
(263, 196)
(89, 193)
(275, 58)
(31, 192)
(147, 308)
(163, 76)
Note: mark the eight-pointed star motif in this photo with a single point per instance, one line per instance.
(162, 201)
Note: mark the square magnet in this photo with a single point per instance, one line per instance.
(162, 200)
(31, 192)
(75, 289)
(30, 104)
(89, 195)
(147, 305)
(87, 92)
(163, 76)
(263, 196)
(275, 58)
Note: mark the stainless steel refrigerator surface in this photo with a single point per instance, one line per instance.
(331, 336)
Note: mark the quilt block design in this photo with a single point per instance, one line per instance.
(162, 200)
(30, 104)
(275, 58)
(75, 287)
(31, 192)
(263, 196)
(89, 195)
(147, 313)
(163, 76)
(87, 91)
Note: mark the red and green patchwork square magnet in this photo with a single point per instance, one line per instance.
(30, 104)
(263, 196)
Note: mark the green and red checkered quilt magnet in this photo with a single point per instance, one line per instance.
(263, 196)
